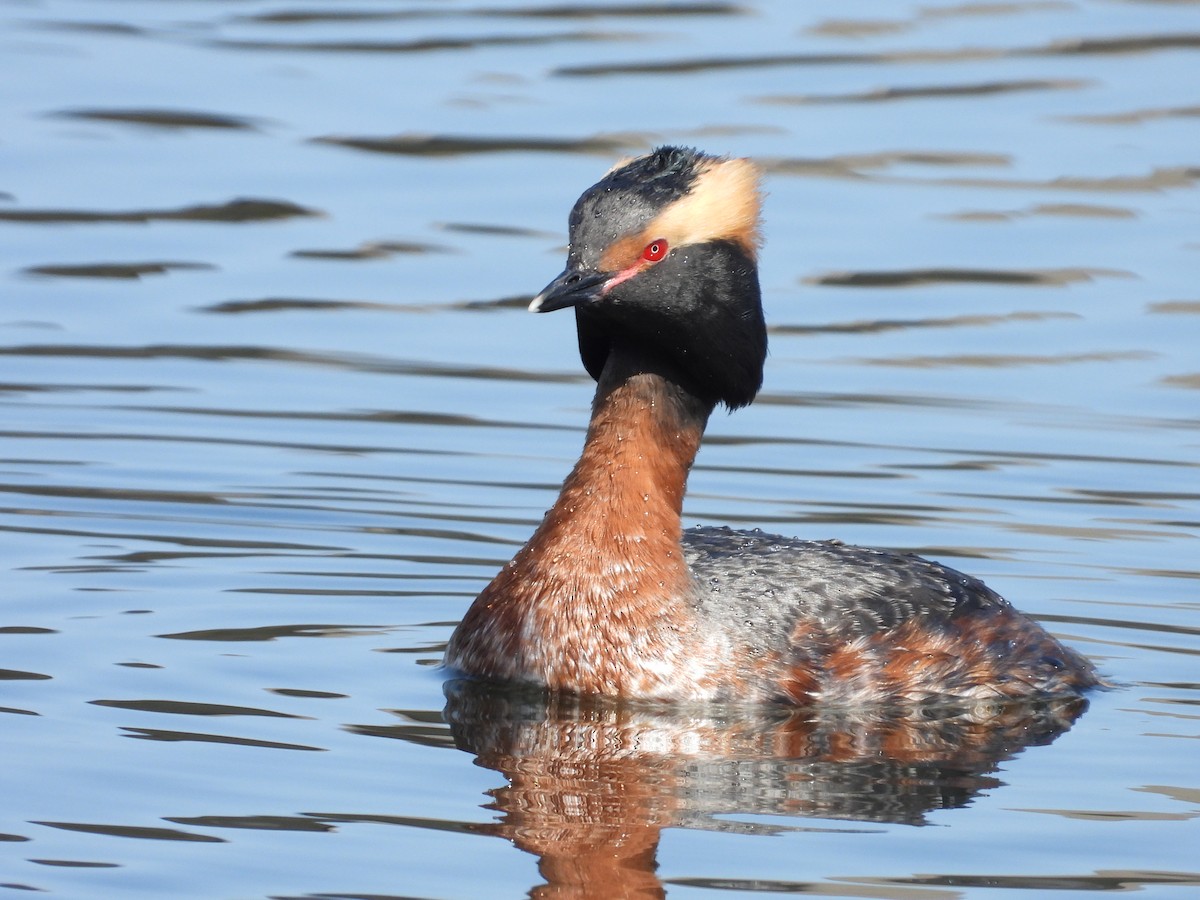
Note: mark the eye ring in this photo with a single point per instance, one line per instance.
(656, 250)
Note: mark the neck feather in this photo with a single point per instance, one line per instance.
(605, 568)
(623, 500)
(615, 527)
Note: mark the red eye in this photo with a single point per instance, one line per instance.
(655, 250)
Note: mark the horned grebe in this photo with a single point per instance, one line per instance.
(611, 596)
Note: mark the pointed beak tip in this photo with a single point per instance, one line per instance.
(571, 288)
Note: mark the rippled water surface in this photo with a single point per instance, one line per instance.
(273, 412)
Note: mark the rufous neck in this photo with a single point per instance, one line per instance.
(604, 573)
(641, 442)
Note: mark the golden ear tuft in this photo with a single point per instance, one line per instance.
(737, 183)
(723, 204)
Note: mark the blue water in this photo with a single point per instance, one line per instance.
(273, 413)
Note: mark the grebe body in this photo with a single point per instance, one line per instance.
(611, 596)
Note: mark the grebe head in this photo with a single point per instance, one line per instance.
(662, 267)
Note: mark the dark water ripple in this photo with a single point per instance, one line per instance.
(877, 326)
(974, 89)
(431, 44)
(351, 361)
(1137, 116)
(114, 270)
(163, 118)
(1108, 880)
(1122, 45)
(453, 145)
(548, 11)
(240, 210)
(1050, 277)
(297, 304)
(188, 708)
(371, 250)
(129, 831)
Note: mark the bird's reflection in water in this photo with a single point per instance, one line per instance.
(591, 783)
